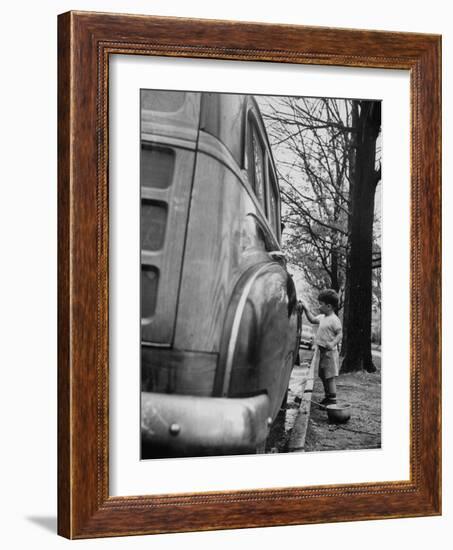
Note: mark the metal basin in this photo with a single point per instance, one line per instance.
(339, 413)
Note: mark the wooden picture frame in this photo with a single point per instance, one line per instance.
(85, 41)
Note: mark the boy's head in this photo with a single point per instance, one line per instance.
(328, 301)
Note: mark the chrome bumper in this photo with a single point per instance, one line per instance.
(183, 425)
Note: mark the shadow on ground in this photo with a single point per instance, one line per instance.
(49, 523)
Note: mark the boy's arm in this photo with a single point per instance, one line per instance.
(312, 319)
(337, 339)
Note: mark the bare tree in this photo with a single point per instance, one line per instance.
(327, 154)
(311, 139)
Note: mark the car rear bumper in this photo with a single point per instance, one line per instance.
(181, 425)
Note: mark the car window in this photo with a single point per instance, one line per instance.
(273, 202)
(256, 164)
(258, 156)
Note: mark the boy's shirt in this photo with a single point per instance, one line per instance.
(329, 326)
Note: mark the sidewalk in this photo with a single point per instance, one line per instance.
(280, 435)
(299, 429)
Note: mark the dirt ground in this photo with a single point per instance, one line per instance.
(363, 431)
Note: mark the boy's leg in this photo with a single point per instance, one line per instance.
(324, 383)
(331, 392)
(328, 370)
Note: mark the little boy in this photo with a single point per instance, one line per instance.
(327, 338)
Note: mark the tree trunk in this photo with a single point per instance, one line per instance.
(357, 320)
(352, 161)
(347, 293)
(335, 283)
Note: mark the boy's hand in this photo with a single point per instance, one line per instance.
(304, 305)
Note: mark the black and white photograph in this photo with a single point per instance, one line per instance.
(260, 274)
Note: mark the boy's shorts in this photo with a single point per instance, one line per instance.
(328, 363)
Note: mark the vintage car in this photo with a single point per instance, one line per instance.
(219, 317)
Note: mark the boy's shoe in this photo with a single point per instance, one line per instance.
(328, 401)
